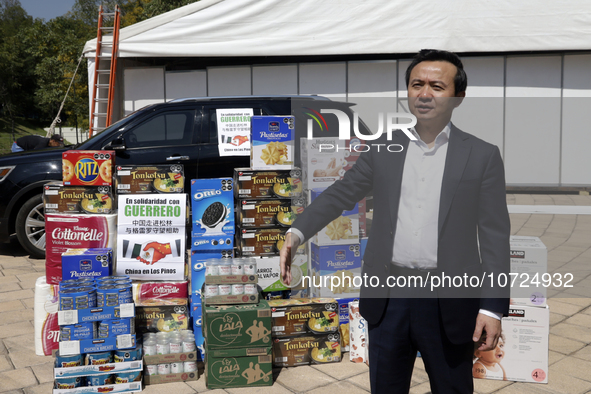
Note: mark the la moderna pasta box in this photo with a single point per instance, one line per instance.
(88, 167)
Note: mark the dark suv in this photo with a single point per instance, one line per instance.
(182, 131)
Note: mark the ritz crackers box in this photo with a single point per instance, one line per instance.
(88, 167)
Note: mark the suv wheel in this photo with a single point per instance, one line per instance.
(30, 226)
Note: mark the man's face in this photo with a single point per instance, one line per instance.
(431, 91)
(54, 143)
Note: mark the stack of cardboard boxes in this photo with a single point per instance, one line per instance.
(522, 352)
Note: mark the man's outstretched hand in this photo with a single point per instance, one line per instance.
(489, 328)
(291, 243)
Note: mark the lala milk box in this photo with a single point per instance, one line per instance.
(212, 204)
(529, 263)
(272, 142)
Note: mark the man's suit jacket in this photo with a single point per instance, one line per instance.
(474, 225)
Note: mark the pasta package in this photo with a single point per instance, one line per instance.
(272, 144)
(88, 167)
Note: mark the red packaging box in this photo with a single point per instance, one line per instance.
(88, 167)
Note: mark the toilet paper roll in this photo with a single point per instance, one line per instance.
(45, 315)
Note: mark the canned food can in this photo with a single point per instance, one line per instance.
(99, 380)
(68, 383)
(107, 295)
(237, 289)
(77, 298)
(250, 267)
(211, 290)
(99, 358)
(152, 369)
(127, 355)
(128, 377)
(177, 367)
(125, 293)
(163, 369)
(76, 332)
(237, 268)
(190, 366)
(74, 360)
(112, 277)
(225, 269)
(212, 270)
(225, 289)
(250, 288)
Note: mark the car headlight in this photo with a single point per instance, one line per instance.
(4, 171)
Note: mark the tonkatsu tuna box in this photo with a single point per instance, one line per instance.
(304, 316)
(149, 179)
(304, 350)
(88, 167)
(249, 183)
(269, 213)
(78, 199)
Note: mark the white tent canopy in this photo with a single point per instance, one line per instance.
(212, 28)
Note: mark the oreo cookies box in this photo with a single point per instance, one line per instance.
(272, 145)
(212, 204)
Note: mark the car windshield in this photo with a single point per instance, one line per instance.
(115, 125)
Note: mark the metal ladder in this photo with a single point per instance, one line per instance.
(105, 67)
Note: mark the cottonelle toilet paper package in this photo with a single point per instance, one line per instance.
(63, 232)
(45, 315)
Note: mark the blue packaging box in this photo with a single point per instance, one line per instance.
(76, 316)
(198, 259)
(126, 341)
(212, 205)
(341, 231)
(219, 242)
(115, 327)
(87, 263)
(76, 332)
(341, 261)
(272, 142)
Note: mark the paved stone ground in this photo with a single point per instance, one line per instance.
(568, 238)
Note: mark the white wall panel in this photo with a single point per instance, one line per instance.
(275, 79)
(576, 121)
(532, 120)
(481, 112)
(229, 81)
(181, 84)
(372, 87)
(142, 86)
(324, 79)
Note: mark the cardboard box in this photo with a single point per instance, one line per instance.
(272, 144)
(305, 350)
(523, 354)
(76, 316)
(325, 160)
(237, 326)
(343, 262)
(169, 358)
(232, 299)
(298, 316)
(162, 318)
(87, 262)
(529, 261)
(149, 179)
(249, 183)
(170, 378)
(238, 367)
(269, 273)
(127, 388)
(78, 199)
(341, 231)
(344, 322)
(99, 369)
(212, 204)
(88, 168)
(271, 213)
(125, 341)
(151, 236)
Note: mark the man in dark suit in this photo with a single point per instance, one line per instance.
(439, 209)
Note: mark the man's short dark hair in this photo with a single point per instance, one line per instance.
(57, 138)
(435, 55)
